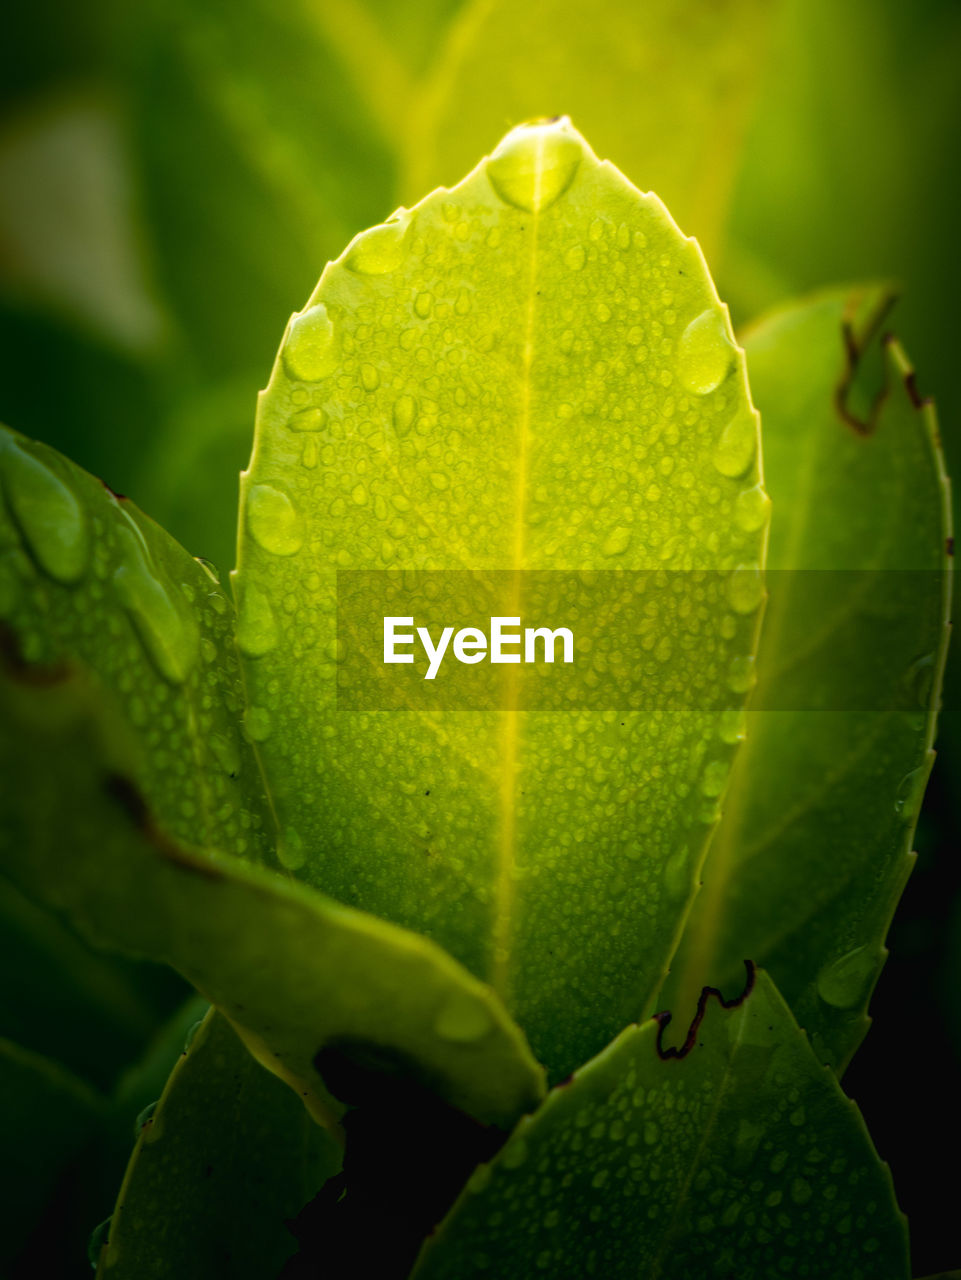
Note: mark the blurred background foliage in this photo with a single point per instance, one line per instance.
(173, 177)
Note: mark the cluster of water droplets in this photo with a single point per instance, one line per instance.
(79, 577)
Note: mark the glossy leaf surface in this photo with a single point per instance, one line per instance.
(529, 372)
(814, 846)
(741, 1159)
(665, 92)
(227, 1155)
(123, 711)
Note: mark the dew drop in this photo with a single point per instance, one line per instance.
(514, 1154)
(705, 353)
(714, 778)
(616, 541)
(256, 625)
(290, 849)
(575, 257)
(97, 1242)
(257, 723)
(310, 350)
(422, 305)
(752, 510)
(919, 680)
(745, 588)
(308, 455)
(370, 377)
(359, 495)
(48, 512)
(166, 628)
(843, 982)
(382, 249)
(535, 164)
(273, 520)
(735, 450)
(732, 725)
(313, 419)
(405, 411)
(741, 675)
(911, 793)
(462, 1018)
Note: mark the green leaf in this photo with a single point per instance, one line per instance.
(664, 92)
(86, 577)
(727, 1162)
(122, 710)
(225, 1158)
(46, 1117)
(529, 372)
(814, 847)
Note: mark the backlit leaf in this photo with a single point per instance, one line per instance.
(530, 372)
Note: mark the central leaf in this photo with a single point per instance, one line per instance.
(525, 381)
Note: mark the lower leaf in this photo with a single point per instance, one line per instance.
(722, 1162)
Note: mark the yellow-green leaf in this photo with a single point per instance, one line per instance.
(530, 373)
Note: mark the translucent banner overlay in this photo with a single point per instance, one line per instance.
(552, 641)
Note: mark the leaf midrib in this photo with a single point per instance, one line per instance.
(503, 923)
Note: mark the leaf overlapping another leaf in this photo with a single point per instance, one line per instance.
(814, 847)
(741, 1159)
(136, 805)
(530, 371)
(226, 1156)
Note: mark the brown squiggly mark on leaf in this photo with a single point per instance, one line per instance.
(664, 1019)
(856, 341)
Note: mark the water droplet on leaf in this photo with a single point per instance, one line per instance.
(310, 351)
(290, 849)
(705, 353)
(256, 625)
(616, 541)
(535, 164)
(737, 445)
(163, 621)
(379, 250)
(312, 419)
(752, 510)
(49, 514)
(745, 588)
(273, 520)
